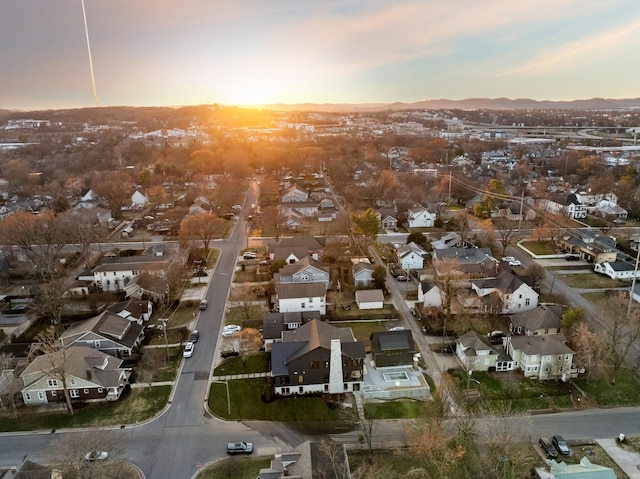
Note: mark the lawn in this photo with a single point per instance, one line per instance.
(246, 403)
(139, 405)
(591, 281)
(623, 393)
(403, 408)
(540, 247)
(236, 314)
(256, 363)
(237, 467)
(362, 329)
(503, 390)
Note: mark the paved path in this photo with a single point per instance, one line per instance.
(628, 461)
(231, 377)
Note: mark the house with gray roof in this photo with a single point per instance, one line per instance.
(542, 357)
(392, 348)
(90, 375)
(108, 332)
(293, 249)
(273, 324)
(514, 294)
(306, 270)
(545, 319)
(362, 273)
(317, 358)
(476, 353)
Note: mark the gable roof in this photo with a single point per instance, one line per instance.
(369, 295)
(545, 316)
(392, 340)
(108, 325)
(545, 344)
(301, 290)
(506, 282)
(473, 342)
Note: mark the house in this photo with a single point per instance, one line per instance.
(411, 256)
(609, 209)
(617, 270)
(309, 460)
(450, 240)
(273, 324)
(147, 286)
(317, 358)
(590, 245)
(362, 273)
(90, 375)
(108, 332)
(293, 249)
(139, 200)
(467, 262)
(584, 470)
(419, 217)
(477, 354)
(136, 310)
(515, 295)
(33, 470)
(295, 195)
(392, 348)
(574, 208)
(306, 270)
(200, 205)
(370, 299)
(388, 218)
(114, 274)
(429, 294)
(545, 319)
(292, 297)
(541, 357)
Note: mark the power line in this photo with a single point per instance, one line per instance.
(93, 80)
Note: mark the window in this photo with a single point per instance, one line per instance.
(100, 390)
(72, 381)
(40, 395)
(74, 393)
(27, 396)
(314, 364)
(300, 389)
(527, 302)
(304, 277)
(96, 344)
(53, 383)
(326, 388)
(54, 393)
(300, 379)
(326, 364)
(86, 391)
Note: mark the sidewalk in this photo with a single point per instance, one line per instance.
(231, 377)
(629, 462)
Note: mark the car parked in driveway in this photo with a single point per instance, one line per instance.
(561, 445)
(188, 350)
(229, 353)
(402, 278)
(193, 337)
(239, 448)
(547, 448)
(231, 329)
(512, 261)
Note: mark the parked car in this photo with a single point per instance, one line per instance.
(572, 257)
(548, 448)
(397, 328)
(188, 350)
(231, 329)
(236, 207)
(203, 304)
(496, 336)
(249, 255)
(561, 445)
(202, 271)
(96, 456)
(402, 278)
(193, 337)
(512, 261)
(239, 448)
(229, 353)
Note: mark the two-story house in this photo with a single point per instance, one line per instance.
(306, 270)
(90, 376)
(317, 358)
(294, 297)
(419, 217)
(476, 353)
(542, 357)
(514, 294)
(293, 249)
(545, 319)
(411, 256)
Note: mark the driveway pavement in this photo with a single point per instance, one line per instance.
(628, 461)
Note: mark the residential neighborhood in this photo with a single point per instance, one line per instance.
(435, 267)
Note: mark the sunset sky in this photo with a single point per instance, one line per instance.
(160, 52)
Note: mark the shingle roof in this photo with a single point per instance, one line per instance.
(545, 344)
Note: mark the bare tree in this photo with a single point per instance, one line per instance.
(246, 341)
(506, 232)
(363, 422)
(115, 188)
(620, 331)
(202, 227)
(68, 452)
(51, 299)
(335, 464)
(536, 272)
(587, 344)
(54, 361)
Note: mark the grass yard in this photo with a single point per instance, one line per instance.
(623, 393)
(404, 408)
(500, 391)
(540, 247)
(236, 314)
(591, 281)
(237, 467)
(246, 403)
(256, 363)
(139, 405)
(362, 329)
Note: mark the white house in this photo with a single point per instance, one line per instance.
(411, 256)
(515, 294)
(419, 217)
(139, 199)
(362, 274)
(294, 297)
(617, 270)
(307, 270)
(295, 195)
(429, 295)
(370, 299)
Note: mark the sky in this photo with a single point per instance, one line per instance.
(247, 52)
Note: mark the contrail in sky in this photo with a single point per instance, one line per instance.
(86, 31)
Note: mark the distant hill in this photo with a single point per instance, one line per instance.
(466, 104)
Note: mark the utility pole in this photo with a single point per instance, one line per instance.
(93, 80)
(450, 175)
(521, 208)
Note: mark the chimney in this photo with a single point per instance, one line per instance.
(335, 368)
